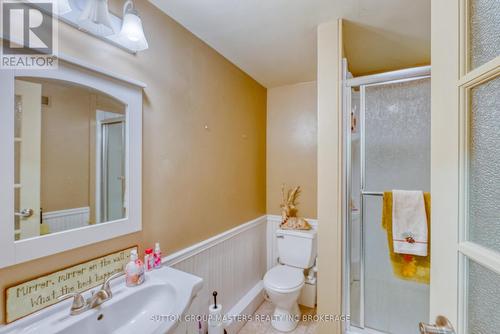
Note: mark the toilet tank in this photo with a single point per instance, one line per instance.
(297, 248)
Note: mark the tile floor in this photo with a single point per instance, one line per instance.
(264, 327)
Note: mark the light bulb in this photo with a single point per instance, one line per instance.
(132, 33)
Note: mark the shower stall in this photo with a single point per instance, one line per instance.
(386, 147)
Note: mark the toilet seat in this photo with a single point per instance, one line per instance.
(284, 279)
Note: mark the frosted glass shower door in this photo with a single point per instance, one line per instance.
(396, 146)
(113, 170)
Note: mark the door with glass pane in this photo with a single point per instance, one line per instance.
(465, 173)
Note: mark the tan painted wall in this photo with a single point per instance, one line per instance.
(196, 182)
(329, 175)
(380, 36)
(65, 163)
(374, 50)
(68, 145)
(292, 145)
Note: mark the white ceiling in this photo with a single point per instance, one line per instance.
(274, 41)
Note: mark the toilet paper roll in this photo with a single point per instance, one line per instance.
(215, 324)
(215, 311)
(216, 329)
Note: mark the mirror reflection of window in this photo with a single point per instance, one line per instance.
(70, 156)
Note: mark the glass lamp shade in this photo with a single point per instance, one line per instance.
(132, 33)
(63, 7)
(95, 18)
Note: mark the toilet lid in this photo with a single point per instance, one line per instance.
(284, 278)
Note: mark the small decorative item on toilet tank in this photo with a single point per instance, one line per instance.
(289, 219)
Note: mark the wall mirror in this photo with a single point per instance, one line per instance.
(71, 158)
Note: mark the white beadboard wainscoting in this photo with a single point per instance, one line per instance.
(273, 223)
(233, 264)
(66, 219)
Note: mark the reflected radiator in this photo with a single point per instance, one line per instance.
(66, 219)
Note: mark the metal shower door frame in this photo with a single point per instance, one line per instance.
(387, 78)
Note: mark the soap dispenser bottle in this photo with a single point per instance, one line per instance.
(134, 270)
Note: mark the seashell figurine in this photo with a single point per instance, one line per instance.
(289, 219)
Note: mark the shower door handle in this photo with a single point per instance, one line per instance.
(442, 326)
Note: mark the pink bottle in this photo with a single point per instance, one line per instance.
(148, 259)
(157, 256)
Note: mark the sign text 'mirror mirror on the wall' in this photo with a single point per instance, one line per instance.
(31, 296)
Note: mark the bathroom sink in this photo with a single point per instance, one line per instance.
(136, 309)
(153, 307)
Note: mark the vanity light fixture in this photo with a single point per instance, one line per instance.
(95, 18)
(59, 7)
(132, 33)
(63, 7)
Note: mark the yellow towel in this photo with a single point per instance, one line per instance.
(407, 267)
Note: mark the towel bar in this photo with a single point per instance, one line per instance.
(372, 193)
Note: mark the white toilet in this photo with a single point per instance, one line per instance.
(283, 283)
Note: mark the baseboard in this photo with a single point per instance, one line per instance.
(245, 307)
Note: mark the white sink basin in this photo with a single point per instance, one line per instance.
(153, 307)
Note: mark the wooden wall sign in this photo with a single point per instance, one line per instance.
(30, 296)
